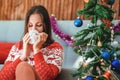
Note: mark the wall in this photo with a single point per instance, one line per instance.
(63, 9)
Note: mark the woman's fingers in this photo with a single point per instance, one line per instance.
(26, 38)
(43, 37)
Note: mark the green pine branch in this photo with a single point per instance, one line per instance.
(86, 43)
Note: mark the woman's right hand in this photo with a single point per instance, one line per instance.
(26, 47)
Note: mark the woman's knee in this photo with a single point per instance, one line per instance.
(23, 66)
(25, 70)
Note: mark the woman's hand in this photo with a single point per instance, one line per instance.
(26, 47)
(41, 39)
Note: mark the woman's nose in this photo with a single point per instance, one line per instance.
(34, 27)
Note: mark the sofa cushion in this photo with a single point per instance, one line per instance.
(4, 50)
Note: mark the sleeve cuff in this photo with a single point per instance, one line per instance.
(38, 57)
(16, 62)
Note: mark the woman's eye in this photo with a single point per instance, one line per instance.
(29, 25)
(39, 25)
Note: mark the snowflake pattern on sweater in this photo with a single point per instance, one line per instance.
(47, 62)
(51, 55)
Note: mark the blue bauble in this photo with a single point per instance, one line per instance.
(78, 22)
(110, 2)
(89, 78)
(105, 55)
(116, 64)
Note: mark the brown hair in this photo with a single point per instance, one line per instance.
(46, 20)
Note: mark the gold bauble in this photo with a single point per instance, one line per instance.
(86, 1)
(99, 44)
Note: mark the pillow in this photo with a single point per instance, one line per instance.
(4, 50)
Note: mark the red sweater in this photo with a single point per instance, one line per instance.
(47, 62)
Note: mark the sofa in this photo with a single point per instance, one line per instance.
(12, 31)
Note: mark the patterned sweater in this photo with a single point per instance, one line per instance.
(47, 62)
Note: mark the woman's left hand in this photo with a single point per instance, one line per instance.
(41, 39)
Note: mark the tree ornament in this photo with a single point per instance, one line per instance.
(114, 44)
(59, 33)
(89, 78)
(101, 60)
(78, 51)
(116, 65)
(110, 2)
(78, 22)
(107, 22)
(115, 56)
(107, 74)
(83, 77)
(88, 44)
(57, 36)
(86, 1)
(102, 64)
(116, 27)
(105, 0)
(105, 55)
(85, 64)
(99, 42)
(112, 34)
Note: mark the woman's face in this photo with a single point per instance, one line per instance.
(35, 23)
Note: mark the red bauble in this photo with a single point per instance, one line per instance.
(107, 74)
(107, 22)
(105, 0)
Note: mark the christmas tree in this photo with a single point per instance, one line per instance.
(98, 42)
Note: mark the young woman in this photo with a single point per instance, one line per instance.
(40, 60)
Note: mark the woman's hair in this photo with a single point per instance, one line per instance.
(46, 20)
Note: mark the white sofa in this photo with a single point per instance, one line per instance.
(11, 31)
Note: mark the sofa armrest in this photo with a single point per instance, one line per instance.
(66, 74)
